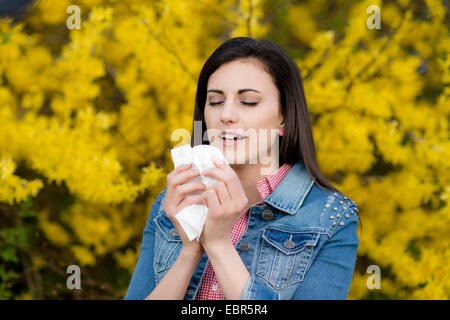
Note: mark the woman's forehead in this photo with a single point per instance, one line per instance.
(236, 75)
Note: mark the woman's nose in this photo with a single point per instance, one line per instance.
(228, 113)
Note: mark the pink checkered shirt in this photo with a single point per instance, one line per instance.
(209, 287)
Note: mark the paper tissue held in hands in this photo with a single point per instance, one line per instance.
(192, 218)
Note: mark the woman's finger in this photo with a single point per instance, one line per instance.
(230, 179)
(190, 200)
(180, 169)
(222, 193)
(182, 189)
(185, 176)
(213, 201)
(217, 173)
(172, 176)
(234, 183)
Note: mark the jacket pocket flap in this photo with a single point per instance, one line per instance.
(290, 242)
(167, 228)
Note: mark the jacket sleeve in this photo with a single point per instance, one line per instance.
(331, 272)
(255, 290)
(143, 279)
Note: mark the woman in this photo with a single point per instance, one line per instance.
(275, 229)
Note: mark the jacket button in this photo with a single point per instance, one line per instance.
(189, 292)
(173, 232)
(244, 246)
(267, 215)
(289, 244)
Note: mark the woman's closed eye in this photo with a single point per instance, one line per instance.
(243, 102)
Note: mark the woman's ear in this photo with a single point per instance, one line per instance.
(281, 129)
(281, 119)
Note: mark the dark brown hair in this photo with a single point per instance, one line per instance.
(297, 143)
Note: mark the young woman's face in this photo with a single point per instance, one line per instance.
(242, 98)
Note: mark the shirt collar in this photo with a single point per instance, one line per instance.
(292, 190)
(269, 183)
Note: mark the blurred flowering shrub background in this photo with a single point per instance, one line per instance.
(87, 115)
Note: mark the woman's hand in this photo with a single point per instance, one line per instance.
(226, 200)
(175, 201)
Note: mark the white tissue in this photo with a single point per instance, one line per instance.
(192, 218)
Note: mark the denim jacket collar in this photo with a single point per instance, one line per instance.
(286, 198)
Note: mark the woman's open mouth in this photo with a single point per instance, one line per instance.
(231, 139)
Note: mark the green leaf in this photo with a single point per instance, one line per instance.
(5, 294)
(6, 275)
(6, 37)
(9, 234)
(8, 253)
(26, 210)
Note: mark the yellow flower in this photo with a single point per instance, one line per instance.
(83, 256)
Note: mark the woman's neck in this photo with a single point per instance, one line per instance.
(249, 174)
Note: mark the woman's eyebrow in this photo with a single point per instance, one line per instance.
(239, 92)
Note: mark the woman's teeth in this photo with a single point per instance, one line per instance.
(231, 137)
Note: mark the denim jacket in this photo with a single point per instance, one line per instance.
(300, 243)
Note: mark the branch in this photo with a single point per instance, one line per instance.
(171, 51)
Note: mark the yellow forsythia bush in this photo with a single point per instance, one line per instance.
(87, 115)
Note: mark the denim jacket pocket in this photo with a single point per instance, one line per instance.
(167, 243)
(285, 255)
